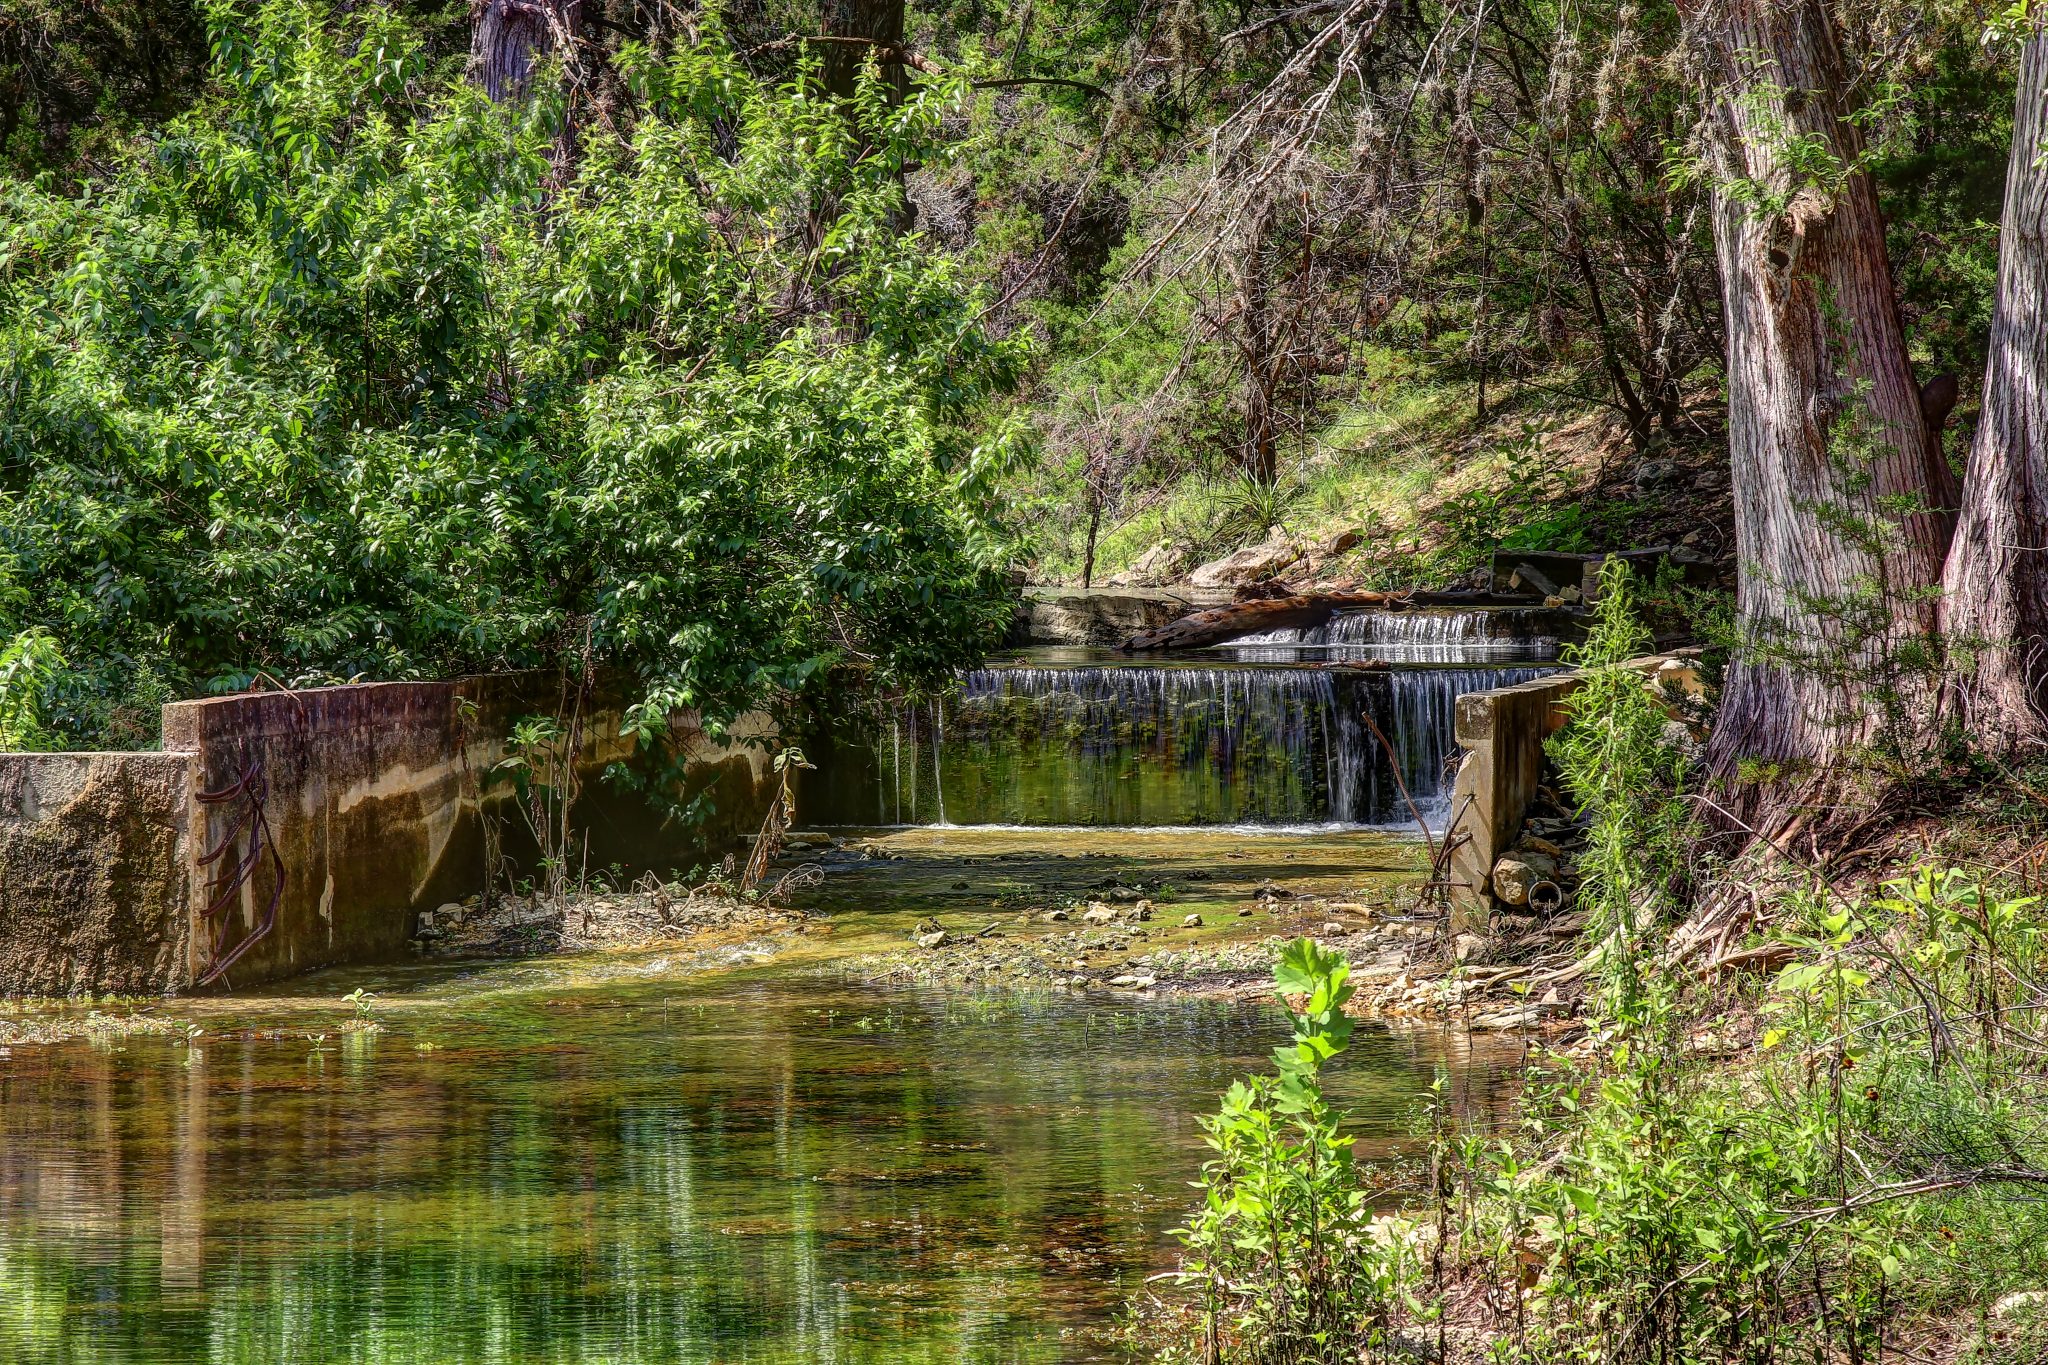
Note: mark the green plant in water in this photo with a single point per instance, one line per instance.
(1281, 1250)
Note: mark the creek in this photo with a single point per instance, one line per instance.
(748, 1154)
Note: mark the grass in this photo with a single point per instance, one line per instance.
(1406, 464)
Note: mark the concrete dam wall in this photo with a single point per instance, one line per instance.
(279, 832)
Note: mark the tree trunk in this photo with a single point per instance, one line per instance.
(508, 36)
(1259, 450)
(863, 29)
(1839, 546)
(1995, 604)
(1219, 624)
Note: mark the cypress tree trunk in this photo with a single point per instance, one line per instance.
(1836, 601)
(507, 36)
(1995, 607)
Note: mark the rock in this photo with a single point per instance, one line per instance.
(1191, 922)
(1679, 677)
(1056, 917)
(1152, 568)
(1135, 982)
(935, 939)
(1272, 891)
(1503, 1020)
(1248, 565)
(1514, 875)
(1339, 543)
(1680, 740)
(959, 886)
(1568, 594)
(2025, 1303)
(1553, 602)
(1536, 843)
(1467, 947)
(1098, 913)
(1334, 930)
(1142, 910)
(1243, 911)
(1650, 473)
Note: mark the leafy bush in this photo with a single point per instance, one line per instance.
(352, 373)
(1616, 762)
(1282, 1250)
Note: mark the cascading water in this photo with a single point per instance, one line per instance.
(1408, 637)
(1160, 745)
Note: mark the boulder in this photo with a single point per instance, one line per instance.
(1248, 565)
(1516, 873)
(1191, 922)
(1098, 913)
(1152, 568)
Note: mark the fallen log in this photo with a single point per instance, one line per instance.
(1219, 624)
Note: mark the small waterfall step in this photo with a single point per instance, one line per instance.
(1158, 745)
(1465, 636)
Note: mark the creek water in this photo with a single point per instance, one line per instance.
(742, 1155)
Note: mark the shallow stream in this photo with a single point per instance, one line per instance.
(753, 1153)
(658, 1158)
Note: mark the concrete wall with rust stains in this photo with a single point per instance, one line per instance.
(373, 800)
(94, 873)
(374, 797)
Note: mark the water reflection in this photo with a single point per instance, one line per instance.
(759, 1170)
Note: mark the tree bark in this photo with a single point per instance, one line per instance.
(867, 29)
(1259, 447)
(1995, 600)
(508, 36)
(1840, 547)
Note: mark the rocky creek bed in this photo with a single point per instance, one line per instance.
(1114, 913)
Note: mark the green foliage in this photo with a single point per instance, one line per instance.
(29, 667)
(1616, 760)
(345, 374)
(1282, 1251)
(1805, 1197)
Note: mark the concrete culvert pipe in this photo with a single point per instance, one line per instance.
(1546, 897)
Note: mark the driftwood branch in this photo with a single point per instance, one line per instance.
(1218, 624)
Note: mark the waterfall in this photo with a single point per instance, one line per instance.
(1161, 745)
(1408, 637)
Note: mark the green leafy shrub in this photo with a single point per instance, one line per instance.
(29, 666)
(1616, 762)
(1282, 1251)
(349, 372)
